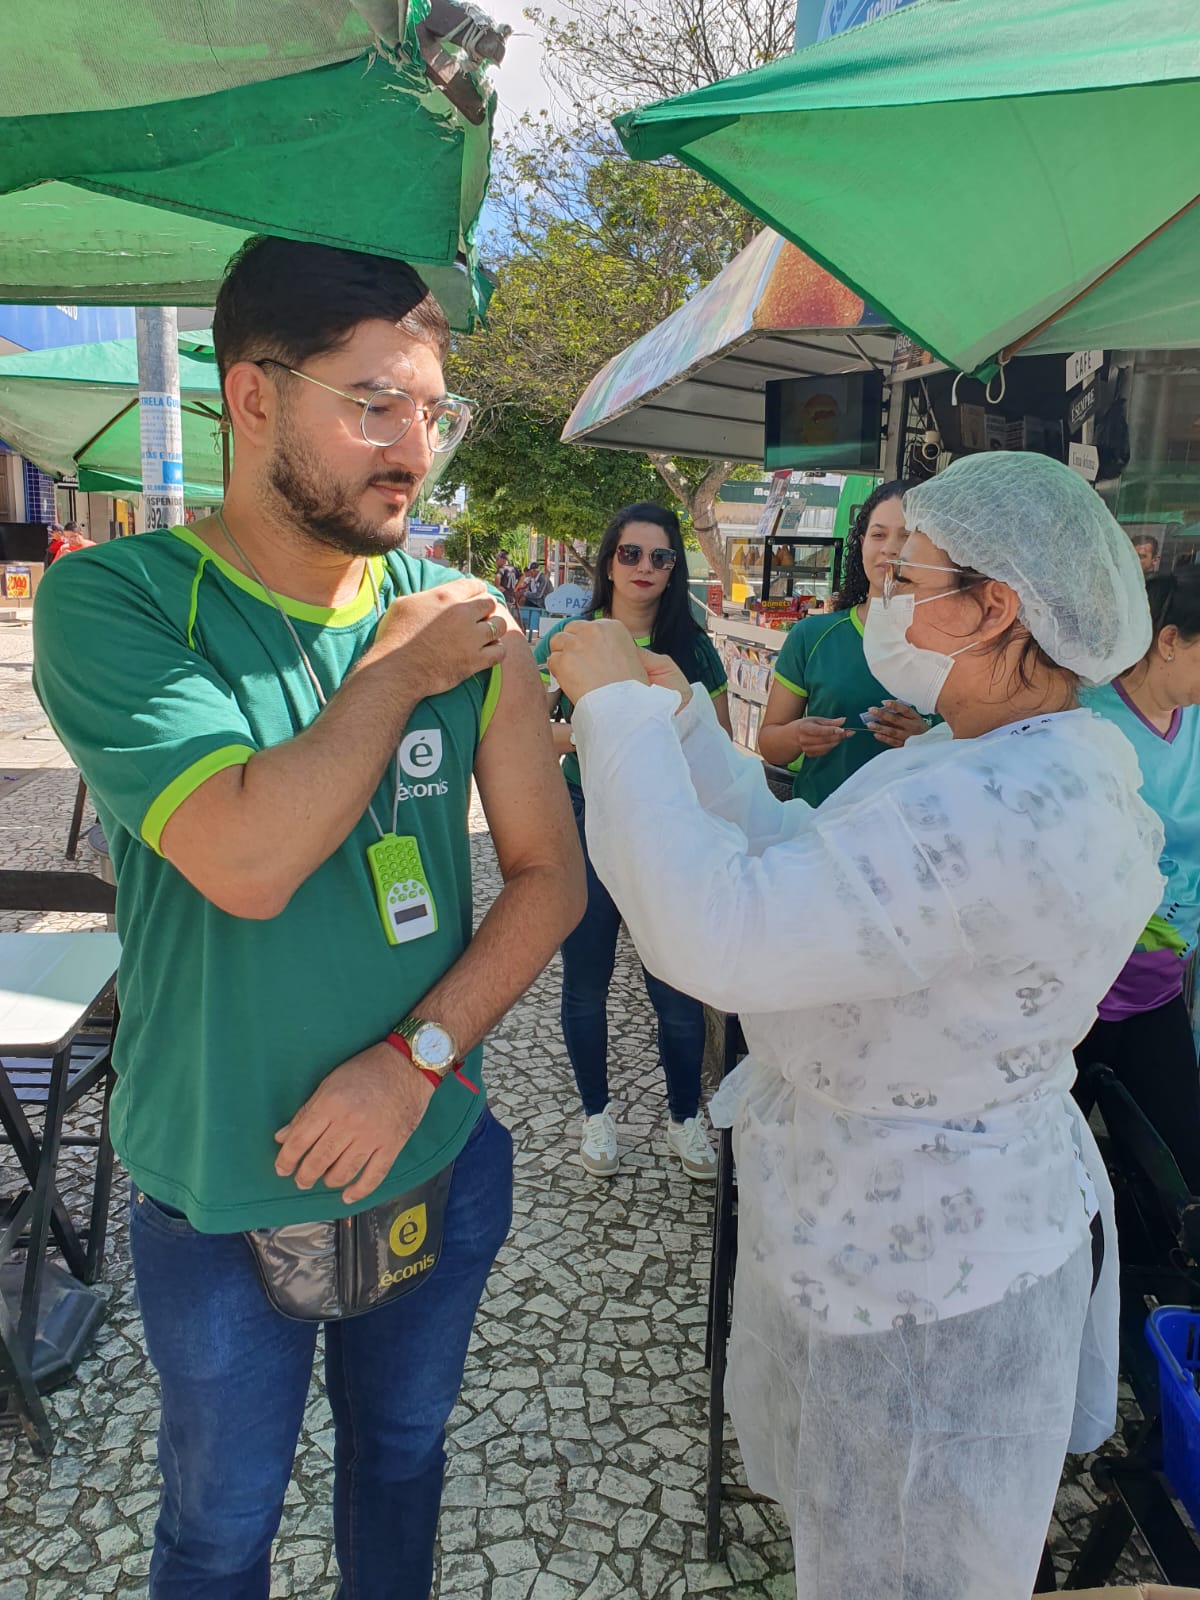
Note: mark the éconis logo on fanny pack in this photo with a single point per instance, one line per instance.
(420, 758)
(408, 1233)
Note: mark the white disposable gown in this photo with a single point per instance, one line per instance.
(916, 1339)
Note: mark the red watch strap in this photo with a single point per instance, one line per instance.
(399, 1042)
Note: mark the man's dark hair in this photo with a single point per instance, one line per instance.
(291, 300)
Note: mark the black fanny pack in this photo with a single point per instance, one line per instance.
(323, 1271)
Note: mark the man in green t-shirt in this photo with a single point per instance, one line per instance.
(279, 714)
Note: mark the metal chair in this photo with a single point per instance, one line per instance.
(1158, 1223)
(27, 1086)
(720, 1304)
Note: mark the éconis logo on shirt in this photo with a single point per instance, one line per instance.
(420, 758)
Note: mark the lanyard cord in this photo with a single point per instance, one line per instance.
(308, 666)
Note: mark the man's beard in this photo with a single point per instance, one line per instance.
(322, 507)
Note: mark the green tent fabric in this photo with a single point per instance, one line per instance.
(971, 169)
(123, 200)
(108, 54)
(74, 410)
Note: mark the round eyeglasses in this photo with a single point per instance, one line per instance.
(893, 581)
(388, 414)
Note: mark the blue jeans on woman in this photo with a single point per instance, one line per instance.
(235, 1375)
(588, 956)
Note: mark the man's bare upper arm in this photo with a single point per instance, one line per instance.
(520, 782)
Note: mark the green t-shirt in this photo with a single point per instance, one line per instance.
(822, 661)
(159, 665)
(707, 669)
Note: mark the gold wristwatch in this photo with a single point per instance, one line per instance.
(429, 1046)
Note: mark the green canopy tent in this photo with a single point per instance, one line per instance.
(161, 133)
(74, 411)
(989, 176)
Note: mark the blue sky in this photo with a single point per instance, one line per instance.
(519, 81)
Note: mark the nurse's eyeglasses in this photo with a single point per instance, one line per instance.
(893, 578)
(630, 554)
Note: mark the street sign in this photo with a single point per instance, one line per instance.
(1081, 408)
(1085, 460)
(1081, 364)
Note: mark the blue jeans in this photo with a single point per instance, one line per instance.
(235, 1375)
(589, 955)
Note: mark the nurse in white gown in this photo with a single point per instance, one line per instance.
(920, 1328)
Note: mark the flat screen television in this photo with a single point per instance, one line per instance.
(828, 424)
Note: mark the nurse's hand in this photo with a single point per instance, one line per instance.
(662, 671)
(587, 655)
(895, 722)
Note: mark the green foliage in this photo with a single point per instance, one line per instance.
(566, 493)
(590, 250)
(470, 540)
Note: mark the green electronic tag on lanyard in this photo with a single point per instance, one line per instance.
(405, 900)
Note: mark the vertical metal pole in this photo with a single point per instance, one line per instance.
(162, 423)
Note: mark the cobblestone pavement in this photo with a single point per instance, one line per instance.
(576, 1457)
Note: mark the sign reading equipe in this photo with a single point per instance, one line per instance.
(1085, 460)
(1082, 364)
(1081, 408)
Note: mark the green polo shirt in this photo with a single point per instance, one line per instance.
(708, 669)
(159, 665)
(822, 661)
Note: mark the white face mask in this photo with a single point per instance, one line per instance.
(905, 670)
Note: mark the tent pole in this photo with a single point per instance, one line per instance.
(161, 422)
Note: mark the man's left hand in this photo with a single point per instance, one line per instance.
(587, 655)
(355, 1123)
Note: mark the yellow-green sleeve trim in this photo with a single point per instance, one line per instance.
(792, 688)
(177, 791)
(490, 701)
(715, 694)
(194, 603)
(546, 675)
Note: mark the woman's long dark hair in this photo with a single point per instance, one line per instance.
(675, 631)
(856, 586)
(1175, 602)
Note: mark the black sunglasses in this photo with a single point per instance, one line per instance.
(630, 554)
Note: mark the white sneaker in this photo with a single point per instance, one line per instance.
(598, 1146)
(690, 1142)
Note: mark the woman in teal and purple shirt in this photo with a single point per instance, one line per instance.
(1144, 1032)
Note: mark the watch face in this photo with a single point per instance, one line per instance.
(433, 1045)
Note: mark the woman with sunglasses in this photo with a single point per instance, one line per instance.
(641, 583)
(827, 715)
(926, 1308)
